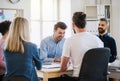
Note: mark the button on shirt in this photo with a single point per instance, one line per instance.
(50, 49)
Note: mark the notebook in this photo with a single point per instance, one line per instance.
(53, 65)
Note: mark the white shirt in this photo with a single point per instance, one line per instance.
(76, 46)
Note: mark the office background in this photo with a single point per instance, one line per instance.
(42, 14)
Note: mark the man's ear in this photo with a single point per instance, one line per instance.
(73, 25)
(107, 27)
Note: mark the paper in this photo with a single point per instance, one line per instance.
(54, 65)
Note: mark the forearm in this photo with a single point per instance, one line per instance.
(64, 62)
(2, 64)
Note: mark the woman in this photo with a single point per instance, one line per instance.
(4, 27)
(20, 55)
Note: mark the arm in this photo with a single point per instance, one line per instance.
(113, 49)
(64, 62)
(2, 63)
(44, 52)
(36, 58)
(65, 56)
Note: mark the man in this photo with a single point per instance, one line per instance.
(75, 47)
(51, 47)
(107, 40)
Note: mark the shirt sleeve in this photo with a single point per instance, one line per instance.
(36, 58)
(66, 49)
(2, 63)
(44, 52)
(114, 48)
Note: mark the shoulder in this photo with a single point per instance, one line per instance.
(49, 38)
(93, 35)
(63, 40)
(70, 39)
(110, 38)
(29, 44)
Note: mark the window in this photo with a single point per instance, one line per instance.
(35, 22)
(44, 14)
(49, 16)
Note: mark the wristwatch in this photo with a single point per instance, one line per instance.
(14, 1)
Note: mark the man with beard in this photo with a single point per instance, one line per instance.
(51, 46)
(107, 39)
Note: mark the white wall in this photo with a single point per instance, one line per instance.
(23, 4)
(65, 15)
(77, 5)
(115, 22)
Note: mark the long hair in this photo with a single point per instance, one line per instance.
(19, 32)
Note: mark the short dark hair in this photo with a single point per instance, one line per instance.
(104, 19)
(61, 25)
(4, 26)
(79, 18)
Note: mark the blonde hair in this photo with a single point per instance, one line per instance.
(19, 32)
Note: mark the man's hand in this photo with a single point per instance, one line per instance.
(64, 62)
(57, 60)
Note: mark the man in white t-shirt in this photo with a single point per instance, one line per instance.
(75, 47)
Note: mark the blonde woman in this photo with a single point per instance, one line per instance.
(20, 55)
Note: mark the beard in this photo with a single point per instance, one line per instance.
(101, 30)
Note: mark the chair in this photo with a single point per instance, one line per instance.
(15, 78)
(95, 65)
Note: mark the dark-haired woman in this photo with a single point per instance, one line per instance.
(4, 27)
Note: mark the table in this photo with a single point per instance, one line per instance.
(52, 73)
(115, 74)
(55, 72)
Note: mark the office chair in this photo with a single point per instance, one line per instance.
(15, 78)
(95, 65)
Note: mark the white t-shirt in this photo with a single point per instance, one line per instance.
(76, 46)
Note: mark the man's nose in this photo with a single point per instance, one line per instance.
(99, 26)
(62, 35)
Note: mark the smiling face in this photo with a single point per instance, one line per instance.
(59, 34)
(102, 27)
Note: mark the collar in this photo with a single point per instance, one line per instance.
(105, 35)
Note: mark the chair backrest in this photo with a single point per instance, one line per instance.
(94, 65)
(15, 78)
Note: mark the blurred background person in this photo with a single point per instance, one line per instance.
(4, 28)
(108, 40)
